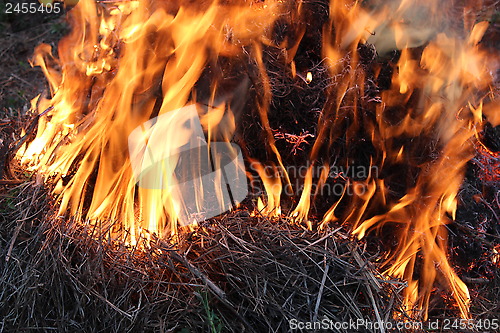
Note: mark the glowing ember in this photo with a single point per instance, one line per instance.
(495, 258)
(127, 62)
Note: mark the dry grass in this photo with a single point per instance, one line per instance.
(236, 273)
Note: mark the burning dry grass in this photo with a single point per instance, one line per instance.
(237, 273)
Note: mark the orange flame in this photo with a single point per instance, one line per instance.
(121, 65)
(270, 205)
(444, 86)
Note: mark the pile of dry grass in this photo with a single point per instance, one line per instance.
(235, 273)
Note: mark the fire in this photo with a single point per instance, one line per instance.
(496, 255)
(126, 63)
(273, 188)
(121, 65)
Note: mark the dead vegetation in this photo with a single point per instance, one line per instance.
(236, 273)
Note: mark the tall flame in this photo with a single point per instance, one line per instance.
(442, 92)
(121, 65)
